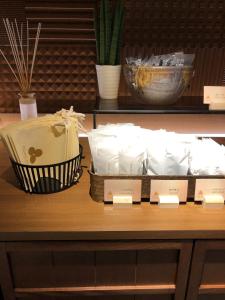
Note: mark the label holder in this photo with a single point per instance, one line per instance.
(122, 191)
(210, 192)
(168, 192)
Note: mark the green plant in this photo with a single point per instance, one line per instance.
(108, 32)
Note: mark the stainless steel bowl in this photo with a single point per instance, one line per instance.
(158, 85)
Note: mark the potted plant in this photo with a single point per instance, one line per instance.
(108, 32)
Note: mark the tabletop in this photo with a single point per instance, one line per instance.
(73, 215)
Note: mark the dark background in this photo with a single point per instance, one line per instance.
(64, 73)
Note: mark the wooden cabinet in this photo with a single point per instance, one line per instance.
(207, 277)
(67, 246)
(113, 270)
(109, 270)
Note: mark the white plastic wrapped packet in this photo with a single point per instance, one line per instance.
(207, 158)
(115, 129)
(131, 155)
(105, 153)
(107, 156)
(166, 155)
(177, 158)
(123, 149)
(106, 142)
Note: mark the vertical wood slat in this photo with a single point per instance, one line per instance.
(183, 270)
(197, 266)
(207, 280)
(6, 280)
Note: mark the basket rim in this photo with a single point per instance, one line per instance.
(154, 177)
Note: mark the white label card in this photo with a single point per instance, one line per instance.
(210, 190)
(122, 191)
(214, 94)
(161, 189)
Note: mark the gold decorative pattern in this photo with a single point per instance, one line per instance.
(56, 132)
(34, 153)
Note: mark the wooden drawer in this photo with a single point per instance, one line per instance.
(98, 269)
(207, 280)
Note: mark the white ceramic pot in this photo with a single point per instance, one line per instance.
(108, 81)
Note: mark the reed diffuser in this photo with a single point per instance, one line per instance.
(23, 65)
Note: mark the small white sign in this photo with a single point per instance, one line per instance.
(122, 191)
(217, 106)
(214, 94)
(213, 199)
(169, 201)
(210, 190)
(126, 199)
(168, 189)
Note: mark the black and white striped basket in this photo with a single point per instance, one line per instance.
(49, 178)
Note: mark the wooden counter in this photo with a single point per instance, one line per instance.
(73, 215)
(65, 244)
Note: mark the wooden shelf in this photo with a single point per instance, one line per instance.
(131, 105)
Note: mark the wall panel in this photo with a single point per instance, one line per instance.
(65, 73)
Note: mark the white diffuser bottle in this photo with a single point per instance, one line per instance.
(28, 106)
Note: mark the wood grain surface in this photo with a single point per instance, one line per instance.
(73, 215)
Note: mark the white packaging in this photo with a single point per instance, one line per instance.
(110, 144)
(131, 157)
(105, 153)
(167, 154)
(207, 158)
